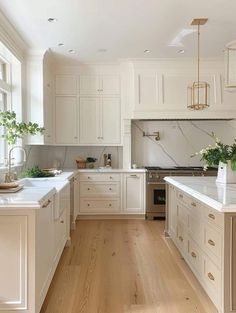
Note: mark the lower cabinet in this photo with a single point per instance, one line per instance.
(133, 193)
(31, 243)
(114, 193)
(198, 233)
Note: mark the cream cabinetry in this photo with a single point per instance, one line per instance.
(199, 238)
(31, 242)
(66, 115)
(133, 193)
(111, 193)
(99, 193)
(160, 91)
(39, 96)
(99, 121)
(99, 85)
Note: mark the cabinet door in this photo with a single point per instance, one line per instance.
(147, 91)
(110, 121)
(13, 263)
(48, 113)
(133, 193)
(172, 211)
(66, 85)
(66, 120)
(110, 85)
(89, 124)
(89, 85)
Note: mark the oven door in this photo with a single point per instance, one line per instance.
(156, 198)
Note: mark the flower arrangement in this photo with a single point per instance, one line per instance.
(220, 152)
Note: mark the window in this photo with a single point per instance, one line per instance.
(5, 96)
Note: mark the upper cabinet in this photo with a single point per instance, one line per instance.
(40, 96)
(160, 91)
(66, 85)
(99, 85)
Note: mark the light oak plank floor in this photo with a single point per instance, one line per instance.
(123, 266)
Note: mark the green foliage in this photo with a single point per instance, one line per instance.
(36, 172)
(220, 152)
(14, 129)
(91, 160)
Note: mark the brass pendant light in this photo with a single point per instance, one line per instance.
(230, 83)
(198, 92)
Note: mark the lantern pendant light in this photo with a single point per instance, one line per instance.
(198, 92)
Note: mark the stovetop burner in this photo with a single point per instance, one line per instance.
(177, 168)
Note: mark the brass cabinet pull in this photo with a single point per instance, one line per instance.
(193, 254)
(212, 216)
(88, 204)
(210, 276)
(134, 175)
(88, 188)
(111, 177)
(181, 238)
(46, 204)
(109, 204)
(193, 204)
(110, 188)
(181, 196)
(89, 177)
(211, 242)
(62, 222)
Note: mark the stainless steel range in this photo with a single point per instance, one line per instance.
(156, 186)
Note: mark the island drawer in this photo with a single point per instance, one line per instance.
(182, 214)
(213, 217)
(181, 239)
(213, 243)
(96, 177)
(191, 203)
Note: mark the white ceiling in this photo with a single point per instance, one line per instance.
(124, 27)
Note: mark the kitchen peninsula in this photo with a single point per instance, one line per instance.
(201, 221)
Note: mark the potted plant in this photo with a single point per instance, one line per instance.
(14, 129)
(223, 156)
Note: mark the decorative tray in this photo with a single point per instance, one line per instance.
(10, 189)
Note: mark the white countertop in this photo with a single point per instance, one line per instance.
(28, 197)
(221, 197)
(112, 170)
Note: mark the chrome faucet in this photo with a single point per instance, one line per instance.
(9, 175)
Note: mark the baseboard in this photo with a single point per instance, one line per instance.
(111, 216)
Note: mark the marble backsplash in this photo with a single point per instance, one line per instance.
(178, 141)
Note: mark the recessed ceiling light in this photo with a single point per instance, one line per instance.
(71, 51)
(181, 51)
(146, 51)
(102, 50)
(61, 44)
(52, 19)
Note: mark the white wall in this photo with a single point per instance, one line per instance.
(178, 141)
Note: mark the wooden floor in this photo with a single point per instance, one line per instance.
(123, 266)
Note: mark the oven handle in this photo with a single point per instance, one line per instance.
(156, 183)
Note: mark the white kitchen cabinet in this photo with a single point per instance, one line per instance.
(99, 85)
(66, 120)
(160, 91)
(99, 121)
(134, 193)
(39, 97)
(66, 85)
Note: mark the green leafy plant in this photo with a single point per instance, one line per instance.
(35, 172)
(14, 129)
(220, 152)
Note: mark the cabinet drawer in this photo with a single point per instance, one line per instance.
(212, 281)
(214, 217)
(213, 242)
(195, 256)
(99, 177)
(99, 206)
(189, 201)
(100, 190)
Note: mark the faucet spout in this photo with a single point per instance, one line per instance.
(9, 174)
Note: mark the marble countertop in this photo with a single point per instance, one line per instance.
(221, 197)
(112, 170)
(28, 197)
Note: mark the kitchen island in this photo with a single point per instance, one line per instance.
(201, 221)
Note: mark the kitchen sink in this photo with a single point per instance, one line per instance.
(43, 183)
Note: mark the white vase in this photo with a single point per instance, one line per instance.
(225, 174)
